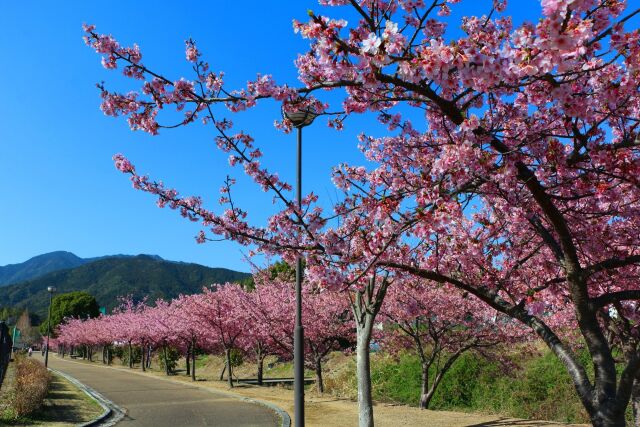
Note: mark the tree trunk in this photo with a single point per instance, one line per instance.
(363, 370)
(635, 403)
(193, 361)
(425, 398)
(188, 360)
(607, 418)
(365, 308)
(108, 355)
(130, 356)
(429, 392)
(142, 349)
(227, 353)
(224, 369)
(319, 382)
(166, 360)
(260, 359)
(260, 368)
(149, 357)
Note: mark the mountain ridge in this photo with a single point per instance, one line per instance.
(42, 264)
(38, 265)
(110, 277)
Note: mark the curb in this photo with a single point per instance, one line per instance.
(111, 414)
(285, 419)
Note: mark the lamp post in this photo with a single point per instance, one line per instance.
(51, 290)
(299, 119)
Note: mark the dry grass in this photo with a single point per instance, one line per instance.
(64, 404)
(30, 387)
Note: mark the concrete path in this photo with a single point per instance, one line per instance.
(154, 402)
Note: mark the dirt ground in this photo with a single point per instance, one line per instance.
(324, 411)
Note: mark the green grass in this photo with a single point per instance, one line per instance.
(539, 389)
(201, 361)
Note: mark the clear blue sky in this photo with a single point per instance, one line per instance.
(59, 188)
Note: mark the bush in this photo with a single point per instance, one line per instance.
(173, 356)
(122, 353)
(539, 389)
(30, 387)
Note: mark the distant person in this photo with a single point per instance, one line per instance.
(30, 351)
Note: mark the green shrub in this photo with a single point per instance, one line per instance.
(539, 389)
(397, 381)
(171, 361)
(122, 352)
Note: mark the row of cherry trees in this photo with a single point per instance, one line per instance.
(515, 180)
(221, 319)
(437, 324)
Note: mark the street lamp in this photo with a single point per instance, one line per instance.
(299, 119)
(51, 290)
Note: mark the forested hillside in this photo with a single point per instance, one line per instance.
(109, 278)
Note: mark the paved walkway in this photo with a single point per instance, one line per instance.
(154, 402)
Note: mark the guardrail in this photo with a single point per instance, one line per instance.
(5, 350)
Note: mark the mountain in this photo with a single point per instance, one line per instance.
(111, 277)
(46, 263)
(38, 266)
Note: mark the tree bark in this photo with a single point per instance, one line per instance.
(130, 355)
(606, 418)
(224, 369)
(319, 382)
(188, 360)
(143, 359)
(363, 369)
(366, 306)
(424, 389)
(635, 402)
(260, 368)
(193, 360)
(227, 353)
(166, 359)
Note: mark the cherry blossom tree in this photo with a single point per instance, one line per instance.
(440, 324)
(187, 329)
(220, 312)
(267, 315)
(520, 187)
(327, 322)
